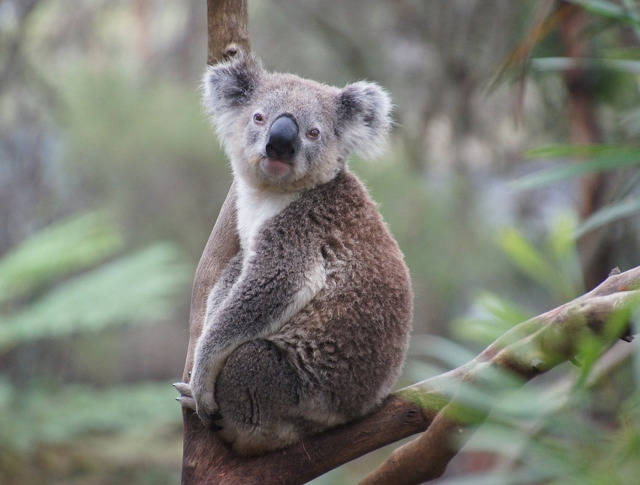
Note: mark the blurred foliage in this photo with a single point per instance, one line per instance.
(59, 415)
(59, 249)
(137, 288)
(577, 425)
(171, 153)
(610, 68)
(69, 279)
(552, 265)
(624, 204)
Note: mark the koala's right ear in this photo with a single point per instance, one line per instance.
(230, 85)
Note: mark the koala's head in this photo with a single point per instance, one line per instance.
(285, 133)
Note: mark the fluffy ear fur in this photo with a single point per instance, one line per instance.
(364, 112)
(227, 87)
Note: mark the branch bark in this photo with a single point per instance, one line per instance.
(228, 29)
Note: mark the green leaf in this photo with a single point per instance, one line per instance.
(562, 247)
(561, 240)
(579, 151)
(134, 289)
(69, 245)
(602, 159)
(526, 257)
(491, 316)
(609, 214)
(626, 66)
(608, 10)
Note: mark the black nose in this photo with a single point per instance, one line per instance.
(283, 136)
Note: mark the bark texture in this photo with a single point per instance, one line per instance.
(228, 29)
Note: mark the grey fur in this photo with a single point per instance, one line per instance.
(308, 326)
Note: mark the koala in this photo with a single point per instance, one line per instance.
(308, 326)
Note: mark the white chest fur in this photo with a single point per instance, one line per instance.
(254, 207)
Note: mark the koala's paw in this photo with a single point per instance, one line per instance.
(209, 414)
(187, 400)
(205, 404)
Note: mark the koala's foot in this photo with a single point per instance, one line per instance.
(187, 400)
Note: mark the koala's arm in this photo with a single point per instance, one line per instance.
(269, 291)
(223, 286)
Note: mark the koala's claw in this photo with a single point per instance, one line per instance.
(186, 396)
(212, 424)
(183, 388)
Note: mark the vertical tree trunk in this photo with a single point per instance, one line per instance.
(228, 29)
(228, 34)
(594, 247)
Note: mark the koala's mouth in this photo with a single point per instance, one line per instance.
(276, 168)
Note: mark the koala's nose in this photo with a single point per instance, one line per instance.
(283, 136)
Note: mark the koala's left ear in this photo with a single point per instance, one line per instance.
(364, 117)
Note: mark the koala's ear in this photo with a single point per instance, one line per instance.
(364, 117)
(230, 85)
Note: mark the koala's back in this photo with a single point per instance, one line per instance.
(347, 346)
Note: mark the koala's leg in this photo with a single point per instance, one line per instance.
(258, 393)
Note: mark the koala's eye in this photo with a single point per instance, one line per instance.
(313, 134)
(258, 119)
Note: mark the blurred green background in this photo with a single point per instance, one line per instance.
(111, 180)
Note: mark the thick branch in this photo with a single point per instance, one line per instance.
(199, 445)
